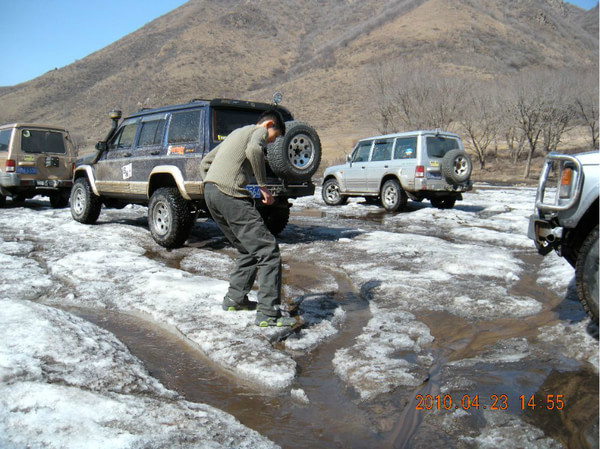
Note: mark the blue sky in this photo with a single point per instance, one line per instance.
(40, 35)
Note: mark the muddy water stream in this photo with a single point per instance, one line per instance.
(329, 419)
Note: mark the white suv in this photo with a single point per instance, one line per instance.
(418, 165)
(566, 219)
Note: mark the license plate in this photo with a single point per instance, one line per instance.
(254, 191)
(434, 163)
(27, 170)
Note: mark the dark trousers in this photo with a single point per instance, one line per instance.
(258, 252)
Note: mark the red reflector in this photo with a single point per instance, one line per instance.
(420, 171)
(10, 165)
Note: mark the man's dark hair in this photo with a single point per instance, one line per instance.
(275, 115)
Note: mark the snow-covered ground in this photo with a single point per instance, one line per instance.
(65, 381)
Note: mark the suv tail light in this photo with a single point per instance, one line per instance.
(420, 171)
(565, 182)
(10, 165)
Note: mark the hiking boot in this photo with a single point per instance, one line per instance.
(231, 306)
(277, 321)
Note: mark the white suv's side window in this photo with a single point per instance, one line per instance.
(361, 154)
(406, 148)
(382, 150)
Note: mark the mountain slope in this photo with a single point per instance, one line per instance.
(317, 53)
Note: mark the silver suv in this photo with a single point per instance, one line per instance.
(566, 219)
(418, 165)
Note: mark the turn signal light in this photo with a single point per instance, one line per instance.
(565, 182)
(10, 166)
(420, 171)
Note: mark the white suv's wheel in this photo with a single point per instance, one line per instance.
(393, 197)
(331, 193)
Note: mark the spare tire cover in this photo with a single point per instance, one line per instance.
(295, 156)
(456, 166)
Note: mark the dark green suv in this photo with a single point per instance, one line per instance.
(153, 158)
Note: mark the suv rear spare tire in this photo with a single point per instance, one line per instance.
(295, 156)
(456, 166)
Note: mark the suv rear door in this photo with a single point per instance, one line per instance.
(381, 157)
(436, 149)
(45, 154)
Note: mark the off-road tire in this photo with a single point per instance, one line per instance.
(2, 200)
(393, 197)
(85, 205)
(443, 203)
(331, 193)
(296, 156)
(586, 274)
(170, 217)
(456, 167)
(276, 218)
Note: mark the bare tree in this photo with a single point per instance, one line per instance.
(586, 102)
(480, 122)
(412, 96)
(543, 110)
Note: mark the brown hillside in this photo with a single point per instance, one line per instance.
(317, 53)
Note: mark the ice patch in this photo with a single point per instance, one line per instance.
(66, 383)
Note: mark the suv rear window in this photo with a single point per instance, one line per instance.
(5, 139)
(37, 141)
(439, 146)
(225, 121)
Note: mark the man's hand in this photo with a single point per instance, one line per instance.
(267, 197)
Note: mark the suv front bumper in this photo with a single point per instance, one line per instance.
(544, 233)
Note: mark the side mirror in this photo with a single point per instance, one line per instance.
(101, 146)
(349, 159)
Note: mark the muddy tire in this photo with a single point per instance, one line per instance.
(443, 203)
(456, 167)
(393, 197)
(296, 156)
(331, 193)
(586, 274)
(85, 205)
(170, 217)
(276, 218)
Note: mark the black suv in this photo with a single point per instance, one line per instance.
(153, 158)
